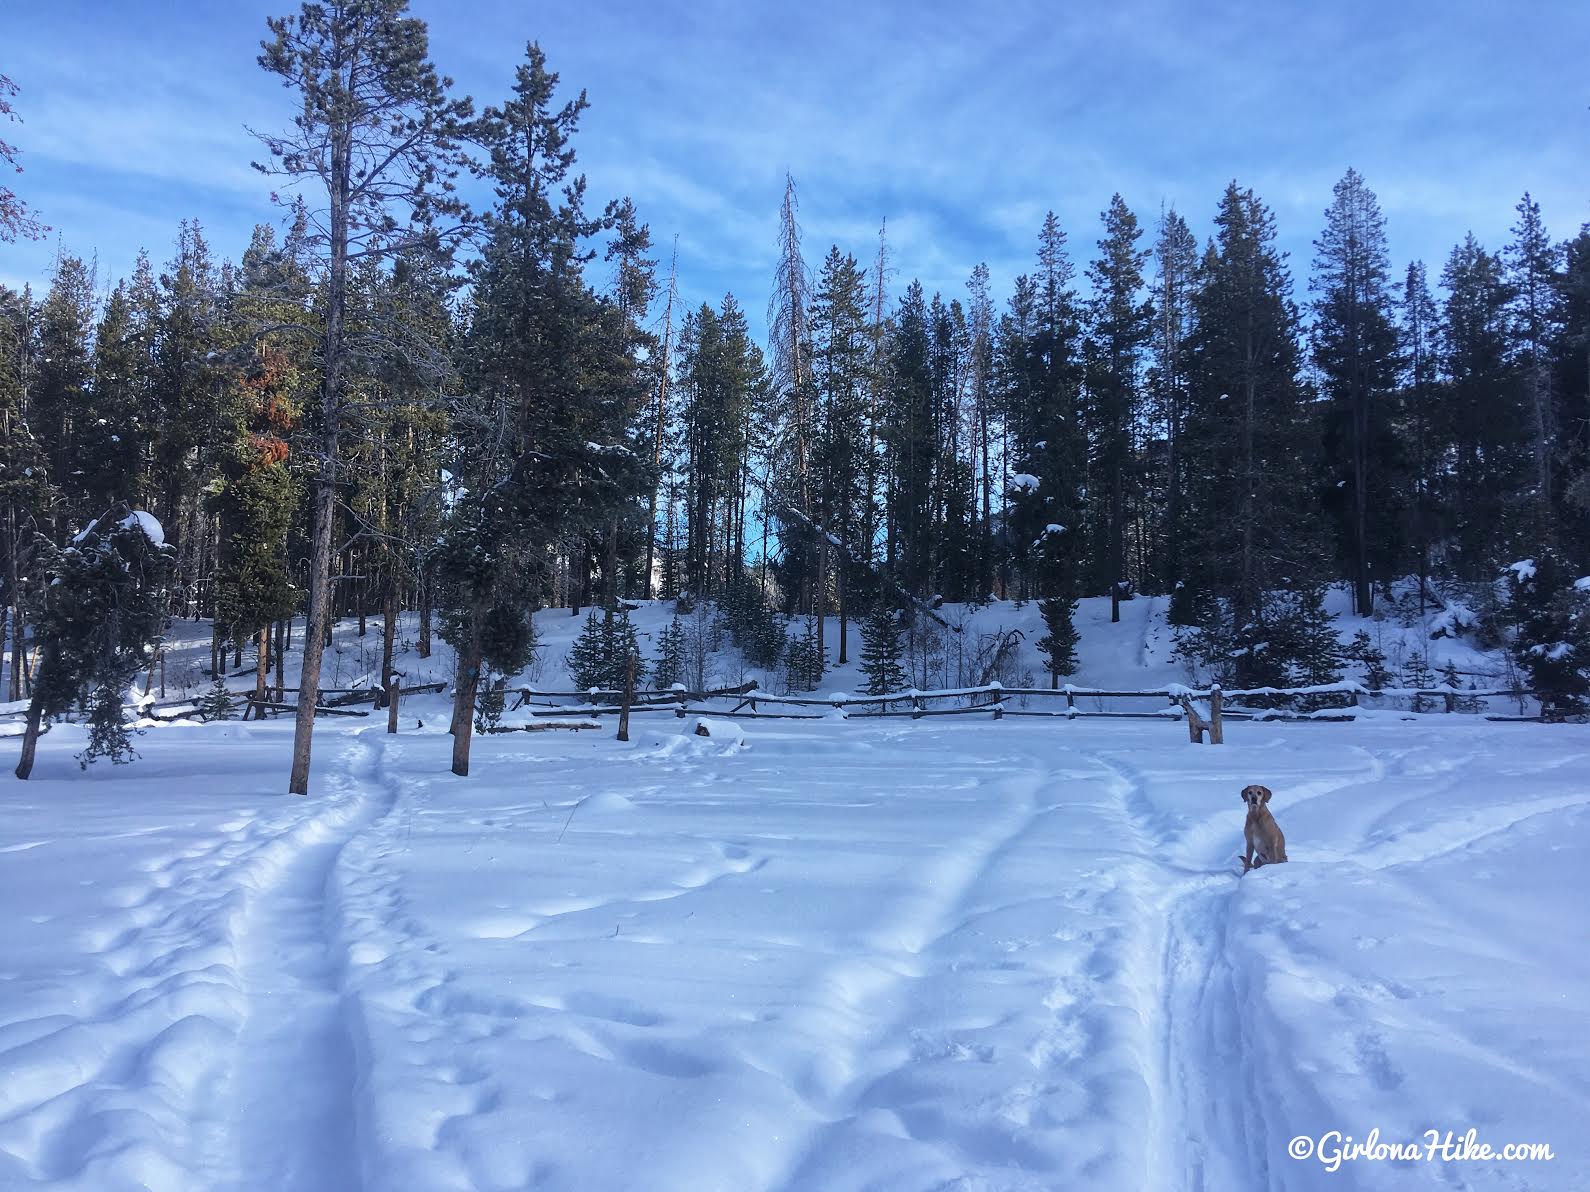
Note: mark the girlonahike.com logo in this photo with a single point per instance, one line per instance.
(1333, 1148)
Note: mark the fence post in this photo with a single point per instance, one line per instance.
(1217, 730)
(393, 688)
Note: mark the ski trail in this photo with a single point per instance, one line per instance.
(293, 1116)
(1199, 1137)
(862, 996)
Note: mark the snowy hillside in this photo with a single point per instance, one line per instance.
(1136, 653)
(829, 957)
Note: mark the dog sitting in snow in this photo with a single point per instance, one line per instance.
(1266, 845)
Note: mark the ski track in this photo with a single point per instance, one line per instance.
(242, 968)
(296, 1034)
(220, 971)
(1199, 1139)
(837, 1086)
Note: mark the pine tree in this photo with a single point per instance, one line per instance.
(1250, 528)
(587, 659)
(721, 377)
(599, 658)
(1042, 376)
(1452, 681)
(378, 131)
(1176, 276)
(61, 383)
(882, 651)
(1354, 346)
(911, 446)
(1482, 416)
(216, 703)
(1363, 650)
(839, 448)
(1532, 273)
(1120, 328)
(1551, 643)
(490, 706)
(99, 617)
(187, 387)
(1059, 642)
(1572, 390)
(1418, 329)
(26, 494)
(255, 495)
(113, 431)
(1416, 674)
(549, 451)
(805, 662)
(669, 668)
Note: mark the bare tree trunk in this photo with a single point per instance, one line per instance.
(662, 418)
(262, 671)
(18, 628)
(610, 563)
(389, 620)
(318, 624)
(843, 599)
(464, 687)
(281, 657)
(820, 593)
(30, 739)
(424, 583)
(1117, 544)
(629, 696)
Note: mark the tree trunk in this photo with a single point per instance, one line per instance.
(424, 645)
(464, 687)
(282, 629)
(262, 671)
(629, 696)
(389, 620)
(662, 420)
(18, 629)
(30, 739)
(610, 564)
(318, 623)
(840, 592)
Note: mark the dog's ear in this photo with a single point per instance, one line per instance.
(1266, 791)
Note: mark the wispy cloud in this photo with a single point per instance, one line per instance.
(960, 125)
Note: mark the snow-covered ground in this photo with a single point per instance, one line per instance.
(951, 954)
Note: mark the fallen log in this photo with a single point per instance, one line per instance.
(574, 726)
(320, 709)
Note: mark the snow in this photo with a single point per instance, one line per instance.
(1524, 570)
(1582, 584)
(1017, 956)
(857, 954)
(1453, 621)
(149, 524)
(1023, 482)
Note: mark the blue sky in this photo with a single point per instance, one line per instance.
(960, 123)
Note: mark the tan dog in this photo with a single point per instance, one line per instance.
(1266, 845)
